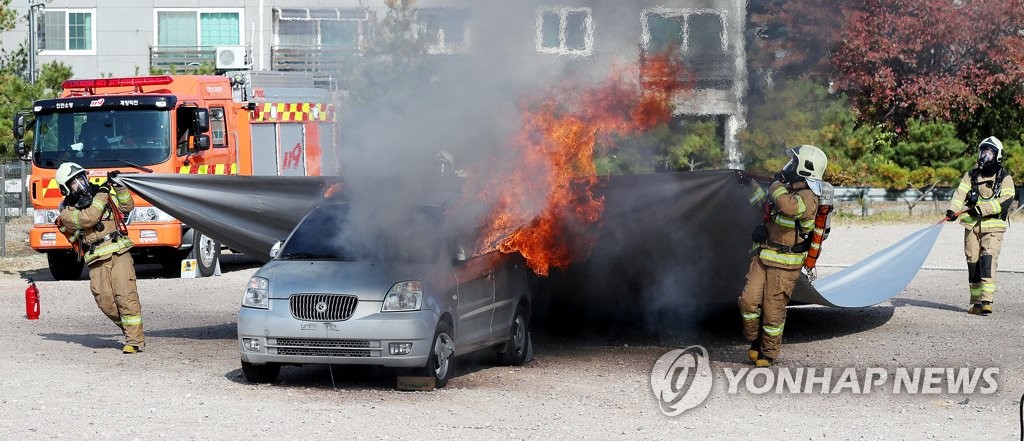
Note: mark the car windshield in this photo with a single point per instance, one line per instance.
(406, 233)
(102, 138)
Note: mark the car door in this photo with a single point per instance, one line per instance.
(475, 292)
(507, 284)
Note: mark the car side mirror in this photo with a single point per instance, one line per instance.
(19, 148)
(203, 142)
(275, 249)
(460, 256)
(19, 126)
(202, 120)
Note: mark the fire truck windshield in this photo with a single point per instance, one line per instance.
(102, 138)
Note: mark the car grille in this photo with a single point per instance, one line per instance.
(322, 307)
(324, 347)
(323, 343)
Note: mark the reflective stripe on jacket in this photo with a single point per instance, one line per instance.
(85, 221)
(794, 206)
(993, 205)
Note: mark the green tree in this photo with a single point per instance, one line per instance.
(691, 144)
(803, 112)
(16, 94)
(15, 61)
(1013, 160)
(930, 144)
(698, 148)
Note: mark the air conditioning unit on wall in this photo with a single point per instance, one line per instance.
(231, 57)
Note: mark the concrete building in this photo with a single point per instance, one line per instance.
(553, 37)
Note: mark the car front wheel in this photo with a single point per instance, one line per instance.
(260, 373)
(441, 361)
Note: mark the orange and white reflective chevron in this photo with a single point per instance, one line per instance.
(53, 191)
(298, 112)
(209, 169)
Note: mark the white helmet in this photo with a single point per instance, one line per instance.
(990, 152)
(66, 173)
(807, 161)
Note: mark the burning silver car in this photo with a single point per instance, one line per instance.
(386, 285)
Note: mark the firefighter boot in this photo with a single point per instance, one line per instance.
(986, 308)
(763, 362)
(754, 352)
(129, 349)
(976, 309)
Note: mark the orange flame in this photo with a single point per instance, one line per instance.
(544, 204)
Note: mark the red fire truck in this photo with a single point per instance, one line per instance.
(246, 124)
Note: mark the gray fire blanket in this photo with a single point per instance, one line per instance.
(670, 240)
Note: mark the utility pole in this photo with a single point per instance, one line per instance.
(33, 45)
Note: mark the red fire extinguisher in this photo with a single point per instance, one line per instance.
(31, 300)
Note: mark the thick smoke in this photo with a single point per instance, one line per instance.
(469, 105)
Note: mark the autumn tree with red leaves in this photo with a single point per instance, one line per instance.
(933, 59)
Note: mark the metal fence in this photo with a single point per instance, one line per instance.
(14, 199)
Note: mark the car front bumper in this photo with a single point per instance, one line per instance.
(363, 339)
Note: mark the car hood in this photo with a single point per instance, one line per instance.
(367, 280)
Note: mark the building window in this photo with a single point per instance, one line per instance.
(324, 27)
(198, 27)
(690, 32)
(444, 30)
(67, 31)
(695, 37)
(565, 31)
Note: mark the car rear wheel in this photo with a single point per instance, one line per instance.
(515, 351)
(260, 373)
(441, 361)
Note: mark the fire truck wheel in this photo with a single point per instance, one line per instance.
(64, 265)
(206, 252)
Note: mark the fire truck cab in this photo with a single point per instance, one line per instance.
(168, 124)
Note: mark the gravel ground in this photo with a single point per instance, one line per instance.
(64, 375)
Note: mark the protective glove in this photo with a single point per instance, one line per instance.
(972, 198)
(760, 234)
(742, 177)
(788, 177)
(110, 179)
(950, 216)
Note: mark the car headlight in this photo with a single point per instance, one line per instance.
(150, 214)
(45, 217)
(404, 296)
(257, 293)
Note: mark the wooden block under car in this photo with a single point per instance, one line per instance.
(417, 383)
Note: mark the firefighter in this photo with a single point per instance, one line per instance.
(88, 219)
(982, 202)
(782, 241)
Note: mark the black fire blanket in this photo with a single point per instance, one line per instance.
(246, 213)
(672, 241)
